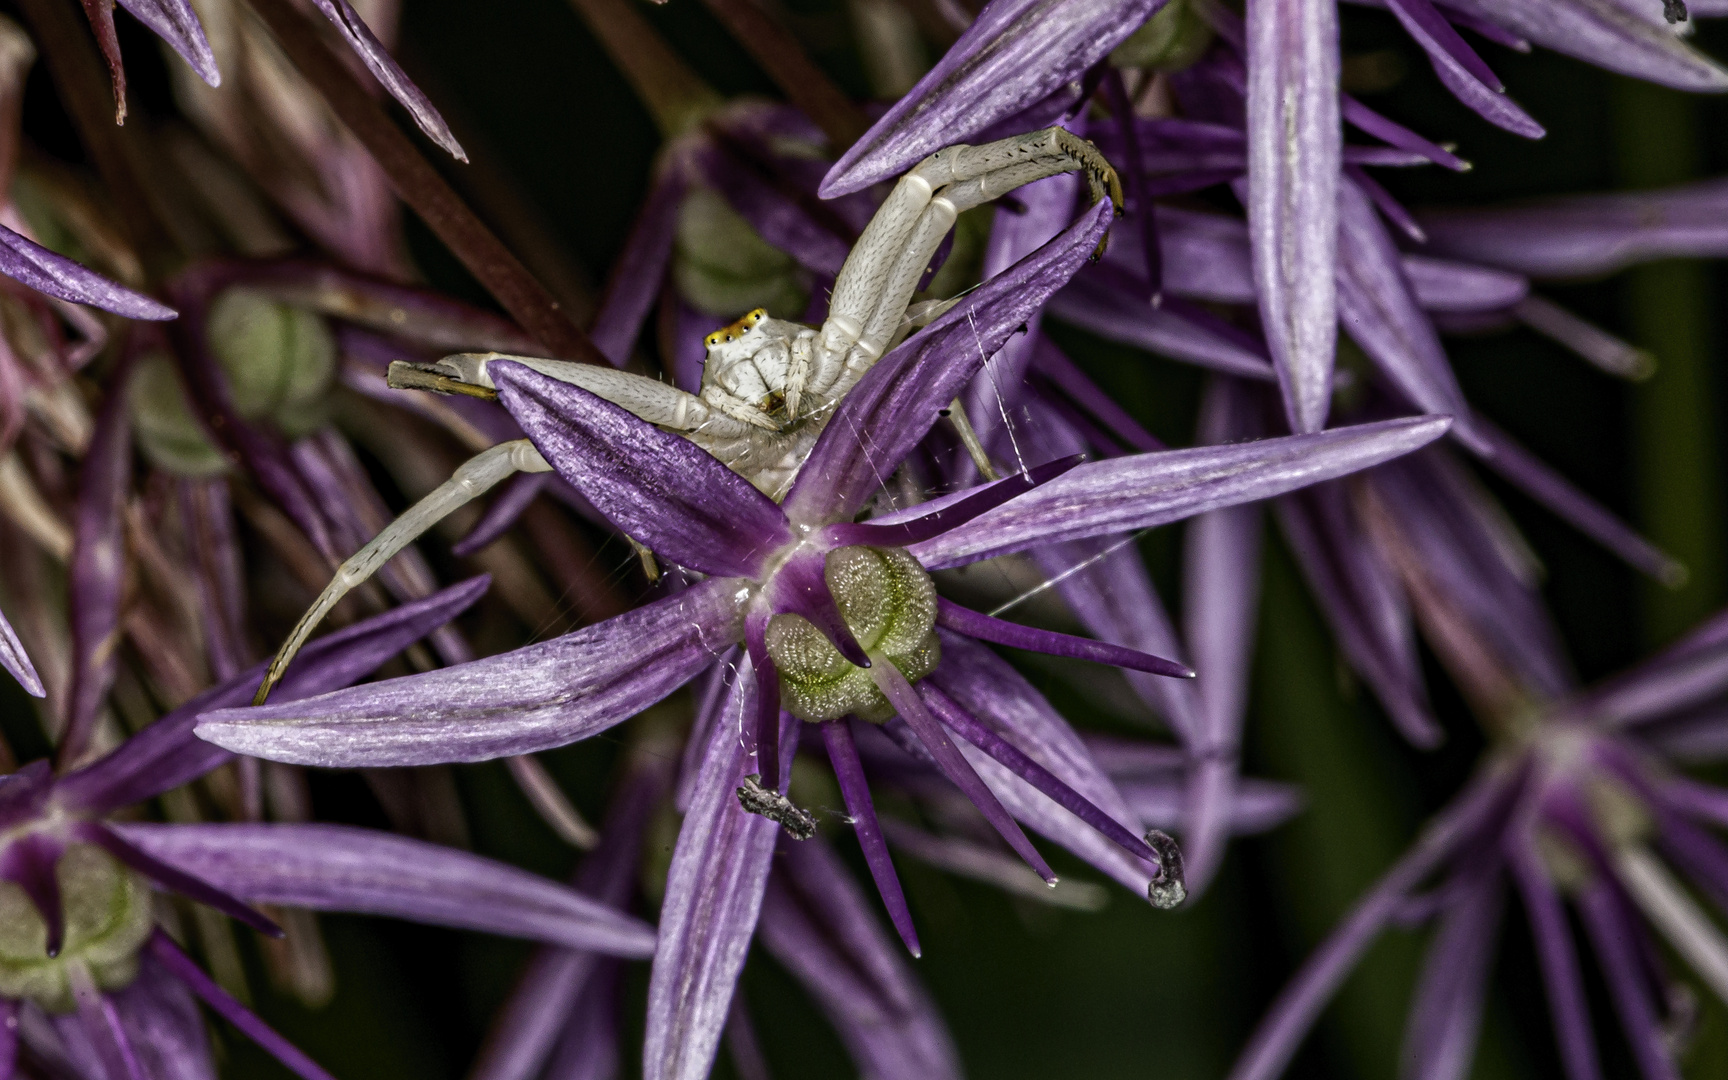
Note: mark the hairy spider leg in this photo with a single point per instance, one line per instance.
(471, 479)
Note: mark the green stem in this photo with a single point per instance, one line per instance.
(1674, 414)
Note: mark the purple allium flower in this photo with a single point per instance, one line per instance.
(837, 618)
(1580, 800)
(84, 974)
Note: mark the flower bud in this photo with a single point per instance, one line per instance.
(889, 603)
(722, 267)
(1169, 41)
(107, 909)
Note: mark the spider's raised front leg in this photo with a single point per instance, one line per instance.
(471, 479)
(881, 273)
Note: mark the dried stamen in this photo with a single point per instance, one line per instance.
(799, 823)
(1166, 889)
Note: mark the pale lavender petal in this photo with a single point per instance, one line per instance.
(1561, 975)
(1587, 235)
(1294, 141)
(1364, 602)
(1461, 70)
(1380, 312)
(900, 399)
(656, 486)
(1612, 929)
(175, 22)
(1113, 306)
(713, 895)
(166, 755)
(1594, 344)
(165, 1027)
(106, 1032)
(1390, 208)
(1536, 479)
(389, 74)
(588, 1047)
(816, 923)
(341, 868)
(15, 660)
(9, 1039)
(1363, 118)
(1442, 285)
(1299, 1004)
(1607, 34)
(1146, 490)
(1053, 365)
(1446, 1012)
(173, 878)
(532, 699)
(1015, 53)
(182, 967)
(23, 260)
(634, 283)
(985, 686)
(1691, 672)
(1221, 595)
(1255, 806)
(97, 571)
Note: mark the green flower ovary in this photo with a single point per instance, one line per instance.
(279, 360)
(107, 909)
(889, 603)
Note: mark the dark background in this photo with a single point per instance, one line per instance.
(1031, 991)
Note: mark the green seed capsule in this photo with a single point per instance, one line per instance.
(889, 603)
(108, 918)
(1169, 41)
(722, 267)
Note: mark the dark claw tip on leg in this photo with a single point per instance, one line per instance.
(1166, 890)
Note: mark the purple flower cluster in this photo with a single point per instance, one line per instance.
(176, 483)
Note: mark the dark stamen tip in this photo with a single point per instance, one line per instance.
(1167, 888)
(799, 823)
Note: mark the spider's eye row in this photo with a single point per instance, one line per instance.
(737, 329)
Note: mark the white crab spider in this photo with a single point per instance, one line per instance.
(768, 385)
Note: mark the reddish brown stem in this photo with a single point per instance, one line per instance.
(783, 59)
(422, 188)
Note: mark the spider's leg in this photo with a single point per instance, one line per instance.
(731, 405)
(650, 399)
(798, 371)
(472, 478)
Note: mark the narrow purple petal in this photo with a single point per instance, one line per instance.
(656, 486)
(983, 498)
(520, 702)
(588, 1045)
(728, 168)
(162, 1019)
(900, 399)
(1587, 235)
(1109, 304)
(818, 925)
(1536, 479)
(389, 74)
(989, 689)
(1294, 142)
(1390, 208)
(165, 754)
(29, 862)
(1377, 305)
(1608, 34)
(1612, 930)
(1299, 1004)
(173, 878)
(1221, 591)
(765, 725)
(98, 569)
(1589, 341)
(1442, 285)
(713, 895)
(182, 967)
(9, 1038)
(1446, 1013)
(1015, 635)
(23, 260)
(175, 22)
(1561, 976)
(634, 283)
(1461, 70)
(974, 731)
(1062, 373)
(1364, 119)
(1015, 53)
(340, 868)
(15, 660)
(930, 731)
(1147, 490)
(1365, 603)
(106, 1031)
(855, 790)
